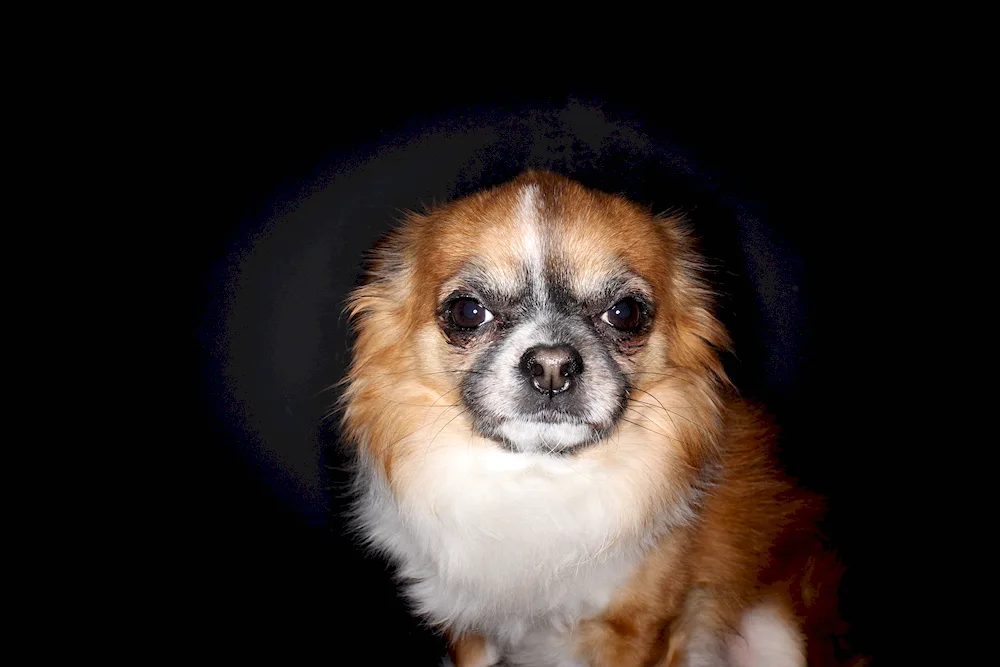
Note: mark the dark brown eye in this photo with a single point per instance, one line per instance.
(626, 315)
(469, 314)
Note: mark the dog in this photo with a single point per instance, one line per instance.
(549, 449)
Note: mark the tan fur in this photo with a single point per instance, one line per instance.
(755, 542)
(753, 537)
(468, 651)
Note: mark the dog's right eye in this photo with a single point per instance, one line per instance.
(469, 314)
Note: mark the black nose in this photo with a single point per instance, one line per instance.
(551, 369)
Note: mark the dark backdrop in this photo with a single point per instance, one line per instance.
(288, 185)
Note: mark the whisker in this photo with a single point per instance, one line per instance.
(650, 395)
(457, 370)
(670, 413)
(660, 405)
(417, 430)
(423, 375)
(662, 426)
(658, 402)
(438, 399)
(644, 427)
(662, 374)
(345, 380)
(459, 414)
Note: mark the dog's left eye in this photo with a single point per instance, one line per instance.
(626, 315)
(469, 314)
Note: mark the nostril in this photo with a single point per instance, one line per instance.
(572, 367)
(537, 369)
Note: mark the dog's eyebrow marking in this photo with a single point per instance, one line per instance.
(597, 291)
(623, 285)
(495, 290)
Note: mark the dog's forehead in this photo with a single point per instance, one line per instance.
(535, 242)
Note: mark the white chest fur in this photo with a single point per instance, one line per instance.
(517, 546)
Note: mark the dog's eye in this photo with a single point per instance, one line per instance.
(469, 314)
(626, 315)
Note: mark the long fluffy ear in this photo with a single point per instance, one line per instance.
(377, 308)
(700, 336)
(383, 267)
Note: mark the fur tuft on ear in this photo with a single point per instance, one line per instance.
(383, 265)
(700, 336)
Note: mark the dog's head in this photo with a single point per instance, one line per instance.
(541, 311)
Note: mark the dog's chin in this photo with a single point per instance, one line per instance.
(527, 434)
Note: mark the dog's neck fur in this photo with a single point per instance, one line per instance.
(520, 547)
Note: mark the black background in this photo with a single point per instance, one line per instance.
(270, 570)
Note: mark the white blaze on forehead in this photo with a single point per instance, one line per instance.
(529, 227)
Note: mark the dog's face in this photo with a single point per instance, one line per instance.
(550, 321)
(540, 306)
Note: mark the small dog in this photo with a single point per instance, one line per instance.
(551, 453)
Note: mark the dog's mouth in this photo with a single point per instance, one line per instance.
(547, 416)
(519, 424)
(545, 431)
